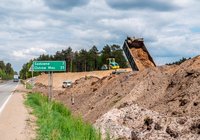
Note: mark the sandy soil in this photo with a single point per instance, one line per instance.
(140, 55)
(138, 103)
(141, 58)
(15, 121)
(163, 104)
(58, 78)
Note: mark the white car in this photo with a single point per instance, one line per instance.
(67, 84)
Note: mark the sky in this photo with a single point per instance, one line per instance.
(29, 28)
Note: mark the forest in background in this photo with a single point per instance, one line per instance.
(6, 71)
(79, 61)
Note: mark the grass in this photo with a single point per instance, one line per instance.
(55, 121)
(29, 86)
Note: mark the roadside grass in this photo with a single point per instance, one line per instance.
(55, 121)
(28, 86)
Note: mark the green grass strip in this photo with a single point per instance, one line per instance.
(28, 86)
(55, 121)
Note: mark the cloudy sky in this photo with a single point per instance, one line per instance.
(28, 28)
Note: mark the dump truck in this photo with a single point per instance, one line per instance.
(137, 54)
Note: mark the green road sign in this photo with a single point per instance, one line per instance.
(49, 66)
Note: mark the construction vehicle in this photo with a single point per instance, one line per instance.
(67, 84)
(111, 64)
(16, 78)
(137, 54)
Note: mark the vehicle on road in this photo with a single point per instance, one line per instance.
(67, 84)
(15, 78)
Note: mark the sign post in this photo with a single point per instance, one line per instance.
(31, 70)
(50, 67)
(50, 85)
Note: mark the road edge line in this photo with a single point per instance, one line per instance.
(4, 104)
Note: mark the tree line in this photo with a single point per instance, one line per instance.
(183, 59)
(6, 71)
(79, 61)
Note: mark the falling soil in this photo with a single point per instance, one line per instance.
(141, 58)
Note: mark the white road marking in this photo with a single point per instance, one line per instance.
(4, 104)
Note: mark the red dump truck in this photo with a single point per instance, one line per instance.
(137, 54)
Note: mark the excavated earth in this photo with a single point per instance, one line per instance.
(156, 103)
(141, 58)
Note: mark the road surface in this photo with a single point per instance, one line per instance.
(14, 117)
(6, 89)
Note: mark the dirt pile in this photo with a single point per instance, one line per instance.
(165, 104)
(59, 78)
(156, 103)
(137, 122)
(94, 97)
(173, 91)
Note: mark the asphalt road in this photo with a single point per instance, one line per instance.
(6, 89)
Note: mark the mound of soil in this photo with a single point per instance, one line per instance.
(164, 104)
(171, 90)
(146, 124)
(59, 78)
(93, 97)
(156, 103)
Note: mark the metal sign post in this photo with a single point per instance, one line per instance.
(51, 81)
(32, 77)
(50, 85)
(31, 69)
(50, 67)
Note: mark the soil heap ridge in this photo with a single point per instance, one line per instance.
(157, 102)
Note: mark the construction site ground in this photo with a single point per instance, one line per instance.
(155, 103)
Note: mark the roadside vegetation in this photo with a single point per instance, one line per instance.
(55, 121)
(29, 86)
(79, 61)
(6, 71)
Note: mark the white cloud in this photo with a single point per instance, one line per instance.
(34, 24)
(30, 53)
(29, 28)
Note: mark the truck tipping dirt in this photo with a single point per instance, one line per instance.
(137, 54)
